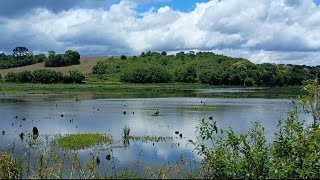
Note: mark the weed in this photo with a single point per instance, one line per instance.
(82, 141)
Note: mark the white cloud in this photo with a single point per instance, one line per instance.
(283, 31)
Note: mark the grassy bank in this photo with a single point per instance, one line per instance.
(120, 90)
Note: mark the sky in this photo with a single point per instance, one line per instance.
(275, 31)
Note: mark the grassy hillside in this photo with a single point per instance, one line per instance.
(85, 67)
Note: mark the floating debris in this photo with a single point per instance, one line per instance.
(61, 115)
(21, 136)
(3, 132)
(176, 132)
(16, 117)
(108, 157)
(98, 160)
(124, 112)
(35, 131)
(24, 118)
(211, 118)
(180, 135)
(157, 112)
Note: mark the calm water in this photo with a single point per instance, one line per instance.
(106, 116)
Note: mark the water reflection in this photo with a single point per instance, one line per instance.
(106, 116)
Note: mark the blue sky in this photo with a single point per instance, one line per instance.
(179, 5)
(276, 31)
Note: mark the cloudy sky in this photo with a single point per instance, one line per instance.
(280, 31)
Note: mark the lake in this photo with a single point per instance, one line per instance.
(53, 114)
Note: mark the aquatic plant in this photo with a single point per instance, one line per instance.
(126, 132)
(81, 141)
(151, 138)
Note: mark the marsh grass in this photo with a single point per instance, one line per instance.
(82, 141)
(152, 138)
(9, 168)
(120, 90)
(126, 132)
(200, 108)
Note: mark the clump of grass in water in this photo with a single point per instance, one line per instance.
(82, 141)
(151, 138)
(201, 108)
(126, 132)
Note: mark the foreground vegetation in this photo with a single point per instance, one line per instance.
(294, 152)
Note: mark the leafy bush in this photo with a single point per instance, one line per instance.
(294, 152)
(187, 74)
(73, 77)
(44, 76)
(47, 76)
(146, 75)
(40, 58)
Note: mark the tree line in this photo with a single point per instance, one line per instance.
(44, 76)
(22, 56)
(201, 67)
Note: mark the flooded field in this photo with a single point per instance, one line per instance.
(156, 142)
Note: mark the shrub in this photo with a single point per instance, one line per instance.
(123, 57)
(294, 152)
(40, 58)
(73, 77)
(149, 74)
(47, 76)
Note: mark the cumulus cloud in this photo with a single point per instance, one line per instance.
(282, 31)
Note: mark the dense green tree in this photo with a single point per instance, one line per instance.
(187, 74)
(145, 74)
(209, 68)
(45, 76)
(123, 57)
(74, 77)
(19, 52)
(40, 58)
(58, 60)
(163, 53)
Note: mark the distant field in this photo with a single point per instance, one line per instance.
(85, 67)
